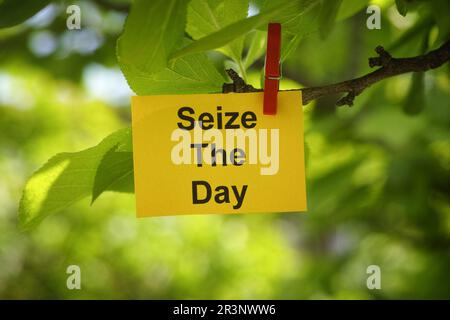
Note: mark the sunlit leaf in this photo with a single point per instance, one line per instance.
(63, 180)
(152, 31)
(288, 44)
(256, 48)
(189, 74)
(350, 7)
(235, 30)
(114, 173)
(145, 45)
(208, 16)
(296, 23)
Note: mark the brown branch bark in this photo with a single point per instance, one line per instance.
(389, 67)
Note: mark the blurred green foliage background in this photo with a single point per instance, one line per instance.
(377, 177)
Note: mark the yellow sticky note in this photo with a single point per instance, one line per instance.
(218, 153)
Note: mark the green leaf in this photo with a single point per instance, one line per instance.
(288, 44)
(296, 19)
(441, 9)
(13, 12)
(296, 23)
(402, 7)
(349, 8)
(63, 180)
(235, 30)
(328, 14)
(412, 34)
(190, 74)
(114, 173)
(126, 144)
(208, 16)
(152, 31)
(415, 100)
(256, 48)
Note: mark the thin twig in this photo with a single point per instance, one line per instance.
(389, 67)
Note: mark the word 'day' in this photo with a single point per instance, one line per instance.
(217, 153)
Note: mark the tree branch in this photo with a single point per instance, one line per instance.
(389, 67)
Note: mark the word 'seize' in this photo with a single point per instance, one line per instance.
(223, 120)
(222, 141)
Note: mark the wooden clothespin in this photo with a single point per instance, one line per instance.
(272, 70)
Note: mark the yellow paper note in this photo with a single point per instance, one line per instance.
(218, 153)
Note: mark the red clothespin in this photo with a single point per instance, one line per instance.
(272, 72)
